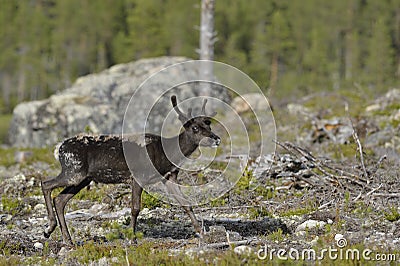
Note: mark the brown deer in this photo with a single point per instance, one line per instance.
(102, 159)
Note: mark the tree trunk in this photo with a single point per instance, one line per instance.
(207, 40)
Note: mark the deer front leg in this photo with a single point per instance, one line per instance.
(177, 193)
(136, 204)
(47, 188)
(50, 212)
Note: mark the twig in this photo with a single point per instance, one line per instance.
(373, 190)
(357, 139)
(358, 197)
(378, 164)
(389, 195)
(321, 166)
(325, 204)
(126, 256)
(232, 207)
(236, 243)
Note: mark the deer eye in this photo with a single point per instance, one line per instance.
(195, 129)
(207, 122)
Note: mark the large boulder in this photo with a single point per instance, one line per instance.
(97, 102)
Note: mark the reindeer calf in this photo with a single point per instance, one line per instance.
(101, 159)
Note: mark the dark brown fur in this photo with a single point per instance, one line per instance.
(101, 159)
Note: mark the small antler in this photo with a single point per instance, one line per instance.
(185, 117)
(203, 110)
(181, 115)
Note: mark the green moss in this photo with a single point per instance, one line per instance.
(259, 212)
(96, 194)
(148, 201)
(10, 260)
(148, 253)
(277, 236)
(244, 182)
(119, 231)
(11, 205)
(7, 156)
(221, 201)
(335, 103)
(392, 214)
(307, 208)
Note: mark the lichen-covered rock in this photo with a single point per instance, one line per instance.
(97, 102)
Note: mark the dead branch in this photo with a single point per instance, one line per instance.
(323, 167)
(389, 195)
(357, 140)
(235, 243)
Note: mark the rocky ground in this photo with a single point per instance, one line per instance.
(334, 183)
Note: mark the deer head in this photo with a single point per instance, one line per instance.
(197, 128)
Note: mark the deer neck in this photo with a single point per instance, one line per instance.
(186, 145)
(179, 147)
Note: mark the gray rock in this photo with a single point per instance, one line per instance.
(243, 250)
(38, 246)
(249, 101)
(310, 224)
(97, 102)
(216, 234)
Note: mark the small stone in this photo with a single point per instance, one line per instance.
(310, 224)
(5, 217)
(300, 233)
(338, 236)
(102, 262)
(330, 221)
(372, 108)
(63, 252)
(234, 236)
(216, 234)
(40, 207)
(38, 246)
(243, 250)
(249, 101)
(96, 209)
(314, 242)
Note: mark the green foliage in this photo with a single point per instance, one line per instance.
(291, 47)
(119, 231)
(7, 156)
(277, 236)
(147, 253)
(4, 125)
(148, 201)
(244, 182)
(221, 201)
(96, 194)
(392, 214)
(257, 212)
(11, 205)
(307, 208)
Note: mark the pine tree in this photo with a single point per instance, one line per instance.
(379, 62)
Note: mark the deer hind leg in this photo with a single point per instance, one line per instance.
(47, 188)
(174, 190)
(136, 204)
(59, 204)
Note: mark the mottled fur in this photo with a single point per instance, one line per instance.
(87, 158)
